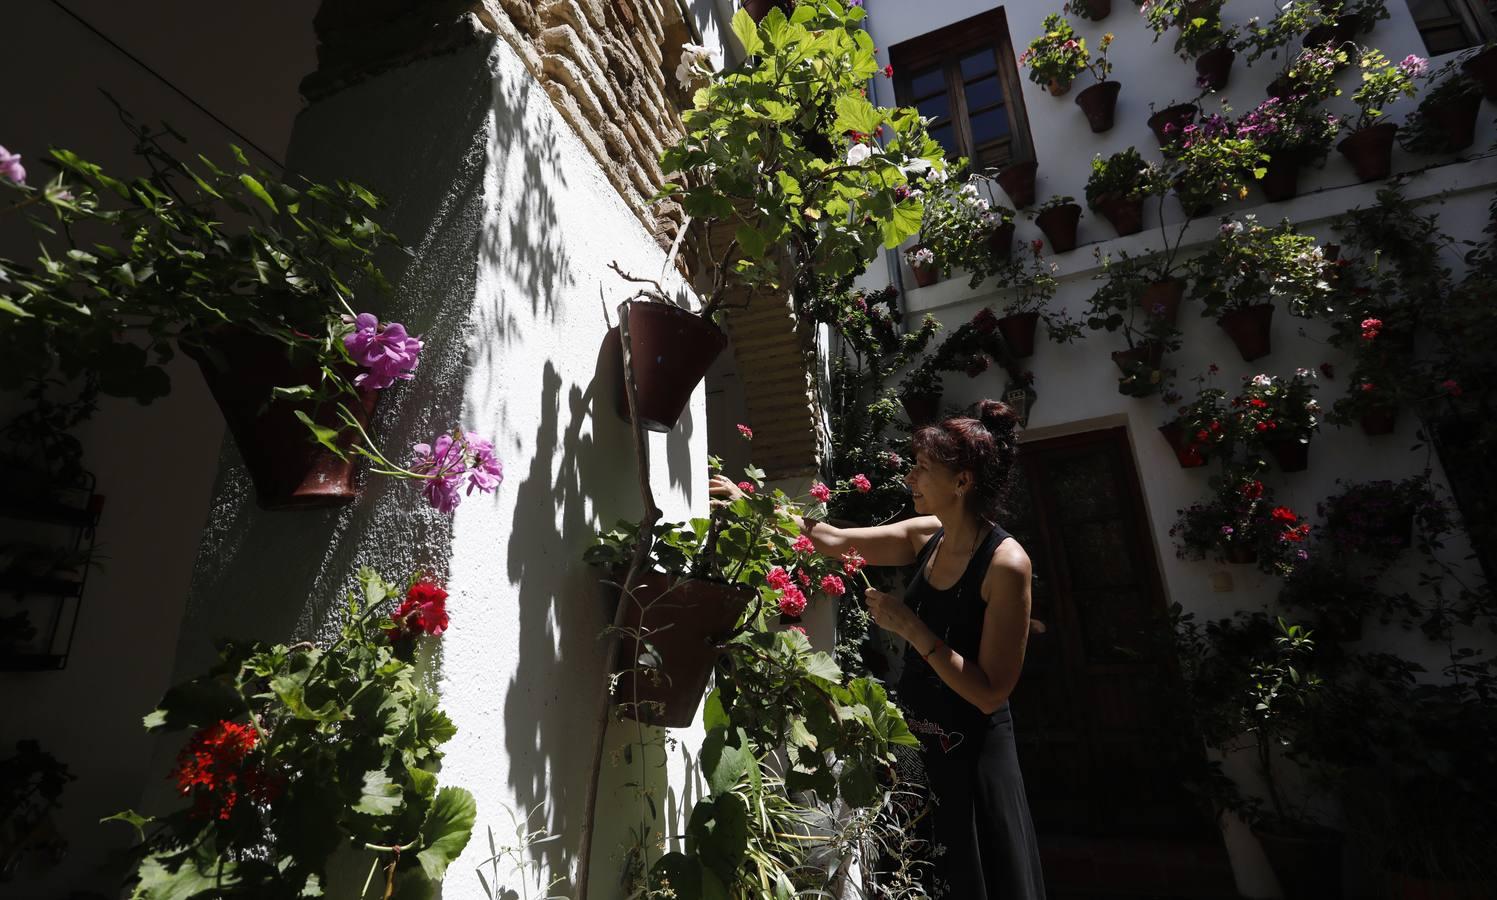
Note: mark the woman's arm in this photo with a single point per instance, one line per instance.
(986, 681)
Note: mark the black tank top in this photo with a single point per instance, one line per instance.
(956, 616)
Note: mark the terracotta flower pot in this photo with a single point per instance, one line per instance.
(1370, 150)
(685, 623)
(1240, 555)
(1099, 102)
(1282, 87)
(1457, 119)
(1168, 123)
(1167, 294)
(1379, 421)
(1306, 859)
(1018, 332)
(922, 409)
(1058, 88)
(1326, 33)
(289, 469)
(1281, 181)
(1126, 214)
(1483, 68)
(926, 274)
(1149, 353)
(1001, 242)
(1250, 328)
(758, 9)
(1291, 455)
(1214, 68)
(1059, 225)
(672, 350)
(1017, 182)
(1096, 10)
(1185, 454)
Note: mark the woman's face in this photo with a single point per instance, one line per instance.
(937, 489)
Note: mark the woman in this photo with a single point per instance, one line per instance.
(965, 620)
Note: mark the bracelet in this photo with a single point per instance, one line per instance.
(939, 644)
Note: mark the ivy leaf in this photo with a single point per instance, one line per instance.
(747, 32)
(327, 437)
(446, 831)
(380, 797)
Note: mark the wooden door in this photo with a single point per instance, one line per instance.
(1095, 744)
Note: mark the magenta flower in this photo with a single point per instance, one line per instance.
(861, 482)
(832, 586)
(792, 601)
(746, 486)
(821, 492)
(389, 353)
(11, 168)
(445, 463)
(1414, 66)
(803, 544)
(485, 472)
(777, 578)
(1370, 328)
(747, 432)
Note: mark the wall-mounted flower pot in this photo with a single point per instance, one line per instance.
(663, 684)
(1306, 859)
(289, 469)
(1483, 68)
(1214, 68)
(1059, 225)
(926, 274)
(1189, 457)
(1018, 333)
(1149, 353)
(672, 350)
(1282, 87)
(1292, 455)
(1250, 328)
(1240, 554)
(1169, 123)
(1017, 182)
(1058, 88)
(1457, 120)
(1095, 10)
(1379, 420)
(1001, 242)
(1370, 150)
(923, 409)
(758, 9)
(1162, 299)
(1125, 213)
(1320, 35)
(1099, 102)
(1281, 181)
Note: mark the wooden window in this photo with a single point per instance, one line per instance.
(1449, 25)
(964, 77)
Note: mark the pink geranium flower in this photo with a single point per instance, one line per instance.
(832, 586)
(803, 544)
(861, 482)
(821, 492)
(747, 432)
(387, 352)
(792, 601)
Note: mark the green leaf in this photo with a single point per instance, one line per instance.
(446, 831)
(718, 832)
(380, 795)
(13, 309)
(194, 704)
(903, 222)
(855, 113)
(133, 819)
(752, 242)
(327, 437)
(857, 786)
(714, 717)
(747, 32)
(189, 879)
(822, 666)
(724, 766)
(258, 190)
(681, 872)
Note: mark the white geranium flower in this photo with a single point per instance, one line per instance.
(696, 62)
(858, 154)
(917, 166)
(1262, 380)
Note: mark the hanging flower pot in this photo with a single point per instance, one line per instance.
(1214, 68)
(1018, 332)
(1149, 353)
(923, 409)
(1282, 87)
(288, 468)
(1162, 299)
(1169, 123)
(926, 273)
(1291, 454)
(672, 349)
(663, 684)
(1099, 102)
(1059, 225)
(1379, 420)
(1125, 213)
(1322, 34)
(758, 9)
(1483, 68)
(1188, 456)
(1281, 181)
(1250, 328)
(1456, 118)
(1370, 150)
(1240, 554)
(1058, 88)
(1017, 181)
(1092, 10)
(1001, 242)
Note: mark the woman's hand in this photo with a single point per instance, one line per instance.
(722, 491)
(891, 614)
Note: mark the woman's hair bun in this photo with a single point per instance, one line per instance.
(998, 418)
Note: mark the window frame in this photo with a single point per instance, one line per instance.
(1473, 15)
(945, 47)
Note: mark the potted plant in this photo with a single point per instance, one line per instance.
(1273, 38)
(1017, 180)
(1100, 100)
(277, 777)
(920, 393)
(1057, 218)
(1240, 524)
(1209, 163)
(1280, 416)
(922, 262)
(1201, 428)
(1369, 147)
(1118, 305)
(1202, 37)
(1029, 290)
(758, 9)
(1445, 120)
(1292, 132)
(1117, 188)
(1375, 519)
(1091, 10)
(960, 228)
(1056, 57)
(1168, 124)
(1481, 65)
(1246, 268)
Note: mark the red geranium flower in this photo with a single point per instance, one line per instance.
(832, 586)
(1284, 514)
(747, 432)
(792, 601)
(746, 486)
(1370, 328)
(852, 561)
(211, 769)
(803, 544)
(424, 611)
(861, 482)
(778, 578)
